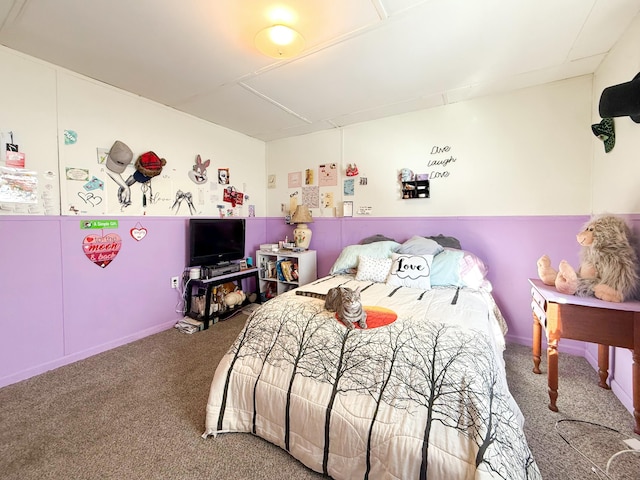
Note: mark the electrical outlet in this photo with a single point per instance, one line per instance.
(174, 282)
(633, 443)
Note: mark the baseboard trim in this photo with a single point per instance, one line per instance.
(68, 359)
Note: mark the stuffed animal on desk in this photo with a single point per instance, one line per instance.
(608, 263)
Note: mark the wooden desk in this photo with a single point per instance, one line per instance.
(589, 320)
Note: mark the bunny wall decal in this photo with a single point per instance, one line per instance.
(199, 172)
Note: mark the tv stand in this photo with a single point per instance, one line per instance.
(212, 309)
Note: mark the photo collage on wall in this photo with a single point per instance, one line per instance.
(123, 182)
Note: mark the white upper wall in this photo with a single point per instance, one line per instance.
(41, 101)
(524, 153)
(530, 152)
(28, 114)
(616, 175)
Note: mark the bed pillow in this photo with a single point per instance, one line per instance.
(373, 269)
(347, 262)
(410, 271)
(445, 269)
(473, 271)
(375, 238)
(417, 245)
(447, 242)
(459, 268)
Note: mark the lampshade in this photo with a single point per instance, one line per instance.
(302, 215)
(279, 41)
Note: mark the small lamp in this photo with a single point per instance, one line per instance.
(302, 233)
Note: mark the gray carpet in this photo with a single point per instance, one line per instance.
(137, 411)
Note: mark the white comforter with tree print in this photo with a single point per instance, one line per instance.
(423, 397)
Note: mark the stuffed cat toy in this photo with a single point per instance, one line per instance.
(608, 263)
(345, 302)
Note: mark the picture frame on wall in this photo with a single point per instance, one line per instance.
(347, 209)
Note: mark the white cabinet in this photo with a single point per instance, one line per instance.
(281, 271)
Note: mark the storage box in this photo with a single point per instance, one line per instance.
(269, 247)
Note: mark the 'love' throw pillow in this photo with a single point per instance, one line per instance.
(410, 271)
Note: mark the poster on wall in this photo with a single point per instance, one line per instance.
(311, 196)
(327, 200)
(295, 179)
(328, 175)
(223, 176)
(18, 186)
(232, 196)
(15, 159)
(349, 187)
(308, 176)
(271, 181)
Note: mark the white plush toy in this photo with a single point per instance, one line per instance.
(234, 298)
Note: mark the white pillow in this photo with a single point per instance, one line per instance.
(410, 271)
(348, 258)
(373, 269)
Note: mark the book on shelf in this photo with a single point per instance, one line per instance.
(271, 269)
(286, 270)
(279, 270)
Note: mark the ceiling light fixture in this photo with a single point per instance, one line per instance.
(279, 41)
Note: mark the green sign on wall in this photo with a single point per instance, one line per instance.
(99, 224)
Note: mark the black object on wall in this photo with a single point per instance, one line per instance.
(622, 100)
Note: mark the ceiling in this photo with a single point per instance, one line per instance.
(363, 59)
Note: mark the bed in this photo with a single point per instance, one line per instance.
(420, 393)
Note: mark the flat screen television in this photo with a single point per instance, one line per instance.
(213, 241)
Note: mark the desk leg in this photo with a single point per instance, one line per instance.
(603, 366)
(537, 343)
(552, 373)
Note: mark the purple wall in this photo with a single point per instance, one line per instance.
(58, 307)
(510, 246)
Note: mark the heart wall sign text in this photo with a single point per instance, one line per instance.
(138, 233)
(101, 250)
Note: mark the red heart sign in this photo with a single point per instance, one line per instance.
(102, 250)
(139, 233)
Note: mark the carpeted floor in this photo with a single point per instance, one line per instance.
(137, 412)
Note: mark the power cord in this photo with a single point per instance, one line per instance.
(181, 306)
(594, 468)
(617, 454)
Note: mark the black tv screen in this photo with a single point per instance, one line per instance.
(215, 240)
